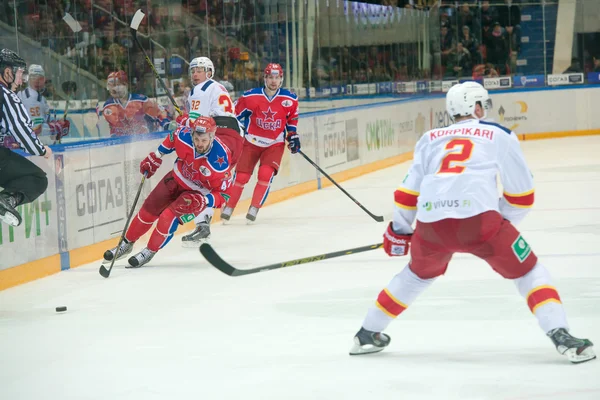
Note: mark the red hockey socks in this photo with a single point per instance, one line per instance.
(235, 191)
(140, 224)
(261, 190)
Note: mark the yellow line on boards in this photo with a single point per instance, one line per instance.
(50, 265)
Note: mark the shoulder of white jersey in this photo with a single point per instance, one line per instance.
(288, 93)
(497, 125)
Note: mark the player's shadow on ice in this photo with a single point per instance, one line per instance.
(474, 356)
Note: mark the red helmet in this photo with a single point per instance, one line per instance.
(274, 69)
(203, 125)
(116, 84)
(117, 78)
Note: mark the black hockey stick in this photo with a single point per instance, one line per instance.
(377, 218)
(213, 258)
(106, 272)
(135, 24)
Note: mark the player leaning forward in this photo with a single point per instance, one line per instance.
(206, 151)
(451, 190)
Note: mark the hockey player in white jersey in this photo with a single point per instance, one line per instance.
(207, 98)
(36, 105)
(452, 192)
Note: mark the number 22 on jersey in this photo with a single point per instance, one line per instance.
(460, 153)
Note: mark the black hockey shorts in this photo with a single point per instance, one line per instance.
(18, 174)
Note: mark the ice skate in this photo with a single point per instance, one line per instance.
(576, 350)
(226, 214)
(251, 216)
(8, 213)
(366, 342)
(140, 259)
(200, 235)
(125, 249)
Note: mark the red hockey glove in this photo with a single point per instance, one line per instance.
(150, 164)
(59, 128)
(189, 203)
(183, 119)
(395, 244)
(293, 142)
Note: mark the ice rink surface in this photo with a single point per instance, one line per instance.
(180, 329)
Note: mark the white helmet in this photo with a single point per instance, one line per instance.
(203, 62)
(35, 69)
(462, 98)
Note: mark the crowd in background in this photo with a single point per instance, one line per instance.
(468, 38)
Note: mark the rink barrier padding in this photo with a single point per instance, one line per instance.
(91, 186)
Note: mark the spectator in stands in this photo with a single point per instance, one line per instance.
(459, 63)
(471, 43)
(513, 38)
(575, 66)
(596, 63)
(447, 43)
(466, 17)
(489, 14)
(509, 14)
(497, 49)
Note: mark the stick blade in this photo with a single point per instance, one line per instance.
(216, 261)
(378, 218)
(137, 19)
(72, 22)
(104, 272)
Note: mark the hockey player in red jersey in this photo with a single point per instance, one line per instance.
(129, 113)
(270, 115)
(451, 191)
(199, 179)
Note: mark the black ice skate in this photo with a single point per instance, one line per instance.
(251, 216)
(200, 235)
(140, 259)
(226, 214)
(366, 342)
(125, 249)
(576, 350)
(8, 213)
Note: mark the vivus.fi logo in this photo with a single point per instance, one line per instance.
(435, 205)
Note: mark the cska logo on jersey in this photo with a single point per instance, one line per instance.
(189, 173)
(269, 123)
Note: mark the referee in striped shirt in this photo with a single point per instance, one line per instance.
(22, 180)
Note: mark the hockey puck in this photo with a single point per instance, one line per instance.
(61, 309)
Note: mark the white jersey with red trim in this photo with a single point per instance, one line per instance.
(453, 175)
(210, 99)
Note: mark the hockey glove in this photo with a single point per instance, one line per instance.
(189, 203)
(150, 164)
(395, 244)
(184, 120)
(59, 128)
(293, 142)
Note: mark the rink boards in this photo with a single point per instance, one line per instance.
(92, 186)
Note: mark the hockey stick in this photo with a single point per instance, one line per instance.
(135, 24)
(106, 272)
(216, 261)
(377, 218)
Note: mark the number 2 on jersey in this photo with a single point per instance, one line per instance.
(461, 150)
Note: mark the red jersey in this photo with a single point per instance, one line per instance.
(130, 118)
(267, 119)
(210, 173)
